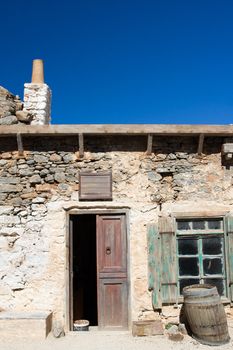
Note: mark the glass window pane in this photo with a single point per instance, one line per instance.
(212, 245)
(187, 282)
(187, 246)
(199, 225)
(219, 283)
(183, 225)
(213, 266)
(214, 224)
(188, 267)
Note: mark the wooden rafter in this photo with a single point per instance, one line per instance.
(81, 145)
(200, 144)
(19, 144)
(149, 144)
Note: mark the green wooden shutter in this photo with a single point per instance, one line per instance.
(168, 260)
(229, 249)
(154, 265)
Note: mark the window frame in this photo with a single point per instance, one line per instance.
(186, 217)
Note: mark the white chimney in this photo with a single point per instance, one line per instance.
(37, 96)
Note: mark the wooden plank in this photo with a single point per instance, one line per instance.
(168, 268)
(19, 144)
(229, 230)
(112, 272)
(113, 296)
(200, 144)
(95, 186)
(200, 214)
(154, 265)
(117, 129)
(71, 274)
(168, 260)
(165, 224)
(81, 145)
(112, 247)
(149, 144)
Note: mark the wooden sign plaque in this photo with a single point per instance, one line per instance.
(95, 186)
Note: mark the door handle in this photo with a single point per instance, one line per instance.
(108, 250)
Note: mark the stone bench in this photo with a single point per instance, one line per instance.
(31, 325)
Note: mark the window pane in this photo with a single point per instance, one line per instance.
(213, 266)
(183, 225)
(187, 282)
(219, 283)
(187, 246)
(214, 224)
(188, 267)
(212, 245)
(199, 225)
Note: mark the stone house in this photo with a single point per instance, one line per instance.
(109, 222)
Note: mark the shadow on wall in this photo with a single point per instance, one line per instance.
(119, 143)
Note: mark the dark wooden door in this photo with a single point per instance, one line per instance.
(112, 272)
(71, 274)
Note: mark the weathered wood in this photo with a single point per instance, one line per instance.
(19, 144)
(71, 274)
(95, 186)
(154, 265)
(112, 295)
(149, 144)
(112, 272)
(199, 214)
(165, 224)
(229, 230)
(147, 328)
(81, 145)
(117, 129)
(200, 144)
(168, 260)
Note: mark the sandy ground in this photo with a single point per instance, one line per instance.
(112, 341)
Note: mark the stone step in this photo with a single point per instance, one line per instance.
(25, 325)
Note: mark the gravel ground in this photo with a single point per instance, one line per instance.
(95, 340)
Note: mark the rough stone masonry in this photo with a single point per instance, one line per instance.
(36, 189)
(40, 184)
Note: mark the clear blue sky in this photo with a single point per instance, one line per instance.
(124, 61)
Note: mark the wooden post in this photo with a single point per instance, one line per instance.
(19, 144)
(149, 144)
(200, 144)
(81, 145)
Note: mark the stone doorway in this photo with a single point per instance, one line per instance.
(98, 270)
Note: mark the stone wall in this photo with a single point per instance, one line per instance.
(37, 101)
(37, 189)
(11, 109)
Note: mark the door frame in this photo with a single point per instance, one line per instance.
(69, 237)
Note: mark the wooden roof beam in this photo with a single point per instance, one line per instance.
(118, 129)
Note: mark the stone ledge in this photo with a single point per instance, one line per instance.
(33, 325)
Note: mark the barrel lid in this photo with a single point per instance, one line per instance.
(199, 290)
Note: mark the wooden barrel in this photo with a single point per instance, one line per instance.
(205, 314)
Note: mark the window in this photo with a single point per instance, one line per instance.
(188, 251)
(201, 253)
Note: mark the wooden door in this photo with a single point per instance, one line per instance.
(71, 274)
(112, 272)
